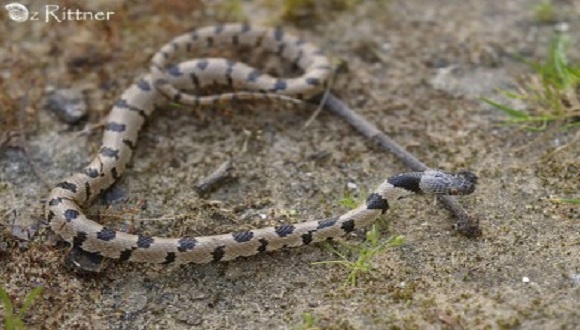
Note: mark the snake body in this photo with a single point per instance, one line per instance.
(165, 81)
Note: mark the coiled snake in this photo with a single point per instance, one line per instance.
(136, 104)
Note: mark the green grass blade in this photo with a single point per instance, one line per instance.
(29, 300)
(534, 119)
(545, 97)
(342, 262)
(510, 111)
(569, 201)
(572, 125)
(9, 314)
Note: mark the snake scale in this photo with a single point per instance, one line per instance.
(168, 82)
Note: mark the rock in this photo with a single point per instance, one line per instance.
(67, 104)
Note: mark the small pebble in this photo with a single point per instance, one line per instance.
(67, 104)
(386, 47)
(562, 27)
(352, 186)
(526, 279)
(575, 277)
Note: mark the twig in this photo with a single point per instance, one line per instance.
(325, 95)
(217, 177)
(465, 224)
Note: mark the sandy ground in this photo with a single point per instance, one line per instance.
(414, 68)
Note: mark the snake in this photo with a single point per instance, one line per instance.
(167, 82)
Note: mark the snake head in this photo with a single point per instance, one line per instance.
(446, 183)
(470, 181)
(462, 183)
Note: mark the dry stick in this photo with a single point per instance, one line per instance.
(217, 177)
(465, 224)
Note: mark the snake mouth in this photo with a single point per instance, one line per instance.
(468, 183)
